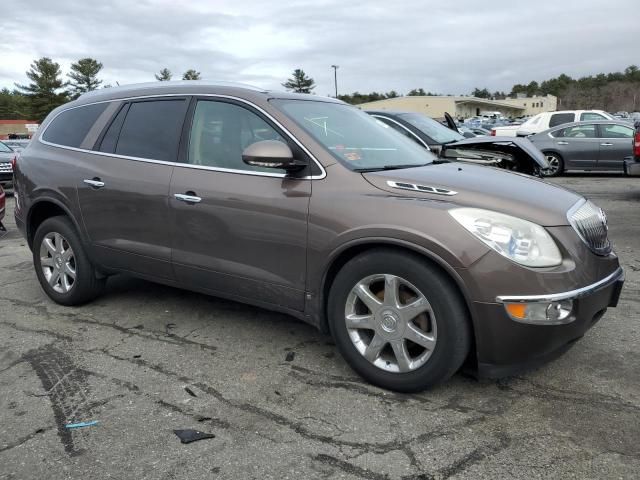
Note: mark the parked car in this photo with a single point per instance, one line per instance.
(16, 145)
(308, 206)
(511, 153)
(6, 159)
(2, 208)
(597, 145)
(632, 165)
(545, 120)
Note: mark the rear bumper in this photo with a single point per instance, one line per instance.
(632, 168)
(505, 347)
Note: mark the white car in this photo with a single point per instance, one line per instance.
(545, 120)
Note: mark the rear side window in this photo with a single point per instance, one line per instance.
(71, 126)
(560, 118)
(152, 129)
(591, 116)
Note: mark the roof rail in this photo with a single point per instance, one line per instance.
(171, 83)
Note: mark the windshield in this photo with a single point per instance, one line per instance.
(4, 148)
(431, 128)
(356, 139)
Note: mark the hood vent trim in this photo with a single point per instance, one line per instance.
(420, 188)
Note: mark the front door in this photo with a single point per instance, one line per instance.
(123, 187)
(238, 231)
(579, 146)
(616, 144)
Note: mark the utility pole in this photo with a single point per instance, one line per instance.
(335, 77)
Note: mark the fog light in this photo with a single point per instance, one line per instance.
(543, 313)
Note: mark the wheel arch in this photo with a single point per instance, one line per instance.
(44, 208)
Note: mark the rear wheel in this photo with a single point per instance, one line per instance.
(398, 320)
(62, 266)
(556, 165)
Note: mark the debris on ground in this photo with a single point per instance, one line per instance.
(188, 436)
(190, 392)
(81, 424)
(290, 356)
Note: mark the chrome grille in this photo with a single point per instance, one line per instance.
(5, 167)
(590, 222)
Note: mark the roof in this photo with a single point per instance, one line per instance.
(191, 87)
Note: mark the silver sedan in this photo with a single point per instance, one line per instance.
(600, 145)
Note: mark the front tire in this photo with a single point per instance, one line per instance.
(556, 165)
(62, 266)
(398, 321)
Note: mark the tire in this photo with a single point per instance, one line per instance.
(444, 323)
(556, 163)
(62, 255)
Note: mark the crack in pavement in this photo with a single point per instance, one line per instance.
(26, 438)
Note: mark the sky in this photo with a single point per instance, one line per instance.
(444, 47)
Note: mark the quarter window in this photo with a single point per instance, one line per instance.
(71, 126)
(221, 131)
(560, 118)
(152, 130)
(616, 131)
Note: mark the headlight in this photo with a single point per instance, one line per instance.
(519, 240)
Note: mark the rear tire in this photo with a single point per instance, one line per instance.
(406, 341)
(62, 266)
(556, 165)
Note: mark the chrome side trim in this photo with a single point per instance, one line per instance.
(420, 188)
(571, 295)
(322, 175)
(404, 128)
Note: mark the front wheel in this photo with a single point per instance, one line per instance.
(398, 321)
(556, 165)
(62, 266)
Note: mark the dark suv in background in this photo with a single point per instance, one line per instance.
(309, 206)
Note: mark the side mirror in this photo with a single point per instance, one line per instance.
(271, 154)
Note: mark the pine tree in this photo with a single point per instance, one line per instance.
(45, 90)
(191, 74)
(84, 76)
(299, 83)
(164, 75)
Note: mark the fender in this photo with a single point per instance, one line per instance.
(48, 197)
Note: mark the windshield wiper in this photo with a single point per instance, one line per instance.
(391, 167)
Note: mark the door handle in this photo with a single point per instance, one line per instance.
(187, 198)
(606, 144)
(95, 182)
(563, 143)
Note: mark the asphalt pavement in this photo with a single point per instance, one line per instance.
(144, 360)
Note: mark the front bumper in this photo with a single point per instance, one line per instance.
(632, 168)
(505, 347)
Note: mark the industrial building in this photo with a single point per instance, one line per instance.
(465, 107)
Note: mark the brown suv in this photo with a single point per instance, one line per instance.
(311, 207)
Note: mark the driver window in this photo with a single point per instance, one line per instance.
(580, 131)
(221, 131)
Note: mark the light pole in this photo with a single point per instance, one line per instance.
(335, 77)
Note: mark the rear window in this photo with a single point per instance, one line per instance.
(560, 118)
(152, 130)
(71, 126)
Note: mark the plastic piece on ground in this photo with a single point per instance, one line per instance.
(188, 436)
(81, 424)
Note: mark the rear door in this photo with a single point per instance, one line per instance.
(616, 144)
(241, 231)
(123, 186)
(578, 145)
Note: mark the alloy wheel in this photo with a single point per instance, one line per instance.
(58, 262)
(391, 323)
(554, 166)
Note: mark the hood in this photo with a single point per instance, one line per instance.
(476, 186)
(527, 158)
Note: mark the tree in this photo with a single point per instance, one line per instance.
(191, 74)
(164, 75)
(300, 83)
(417, 92)
(44, 91)
(84, 76)
(484, 93)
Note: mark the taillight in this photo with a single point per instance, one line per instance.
(636, 144)
(493, 132)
